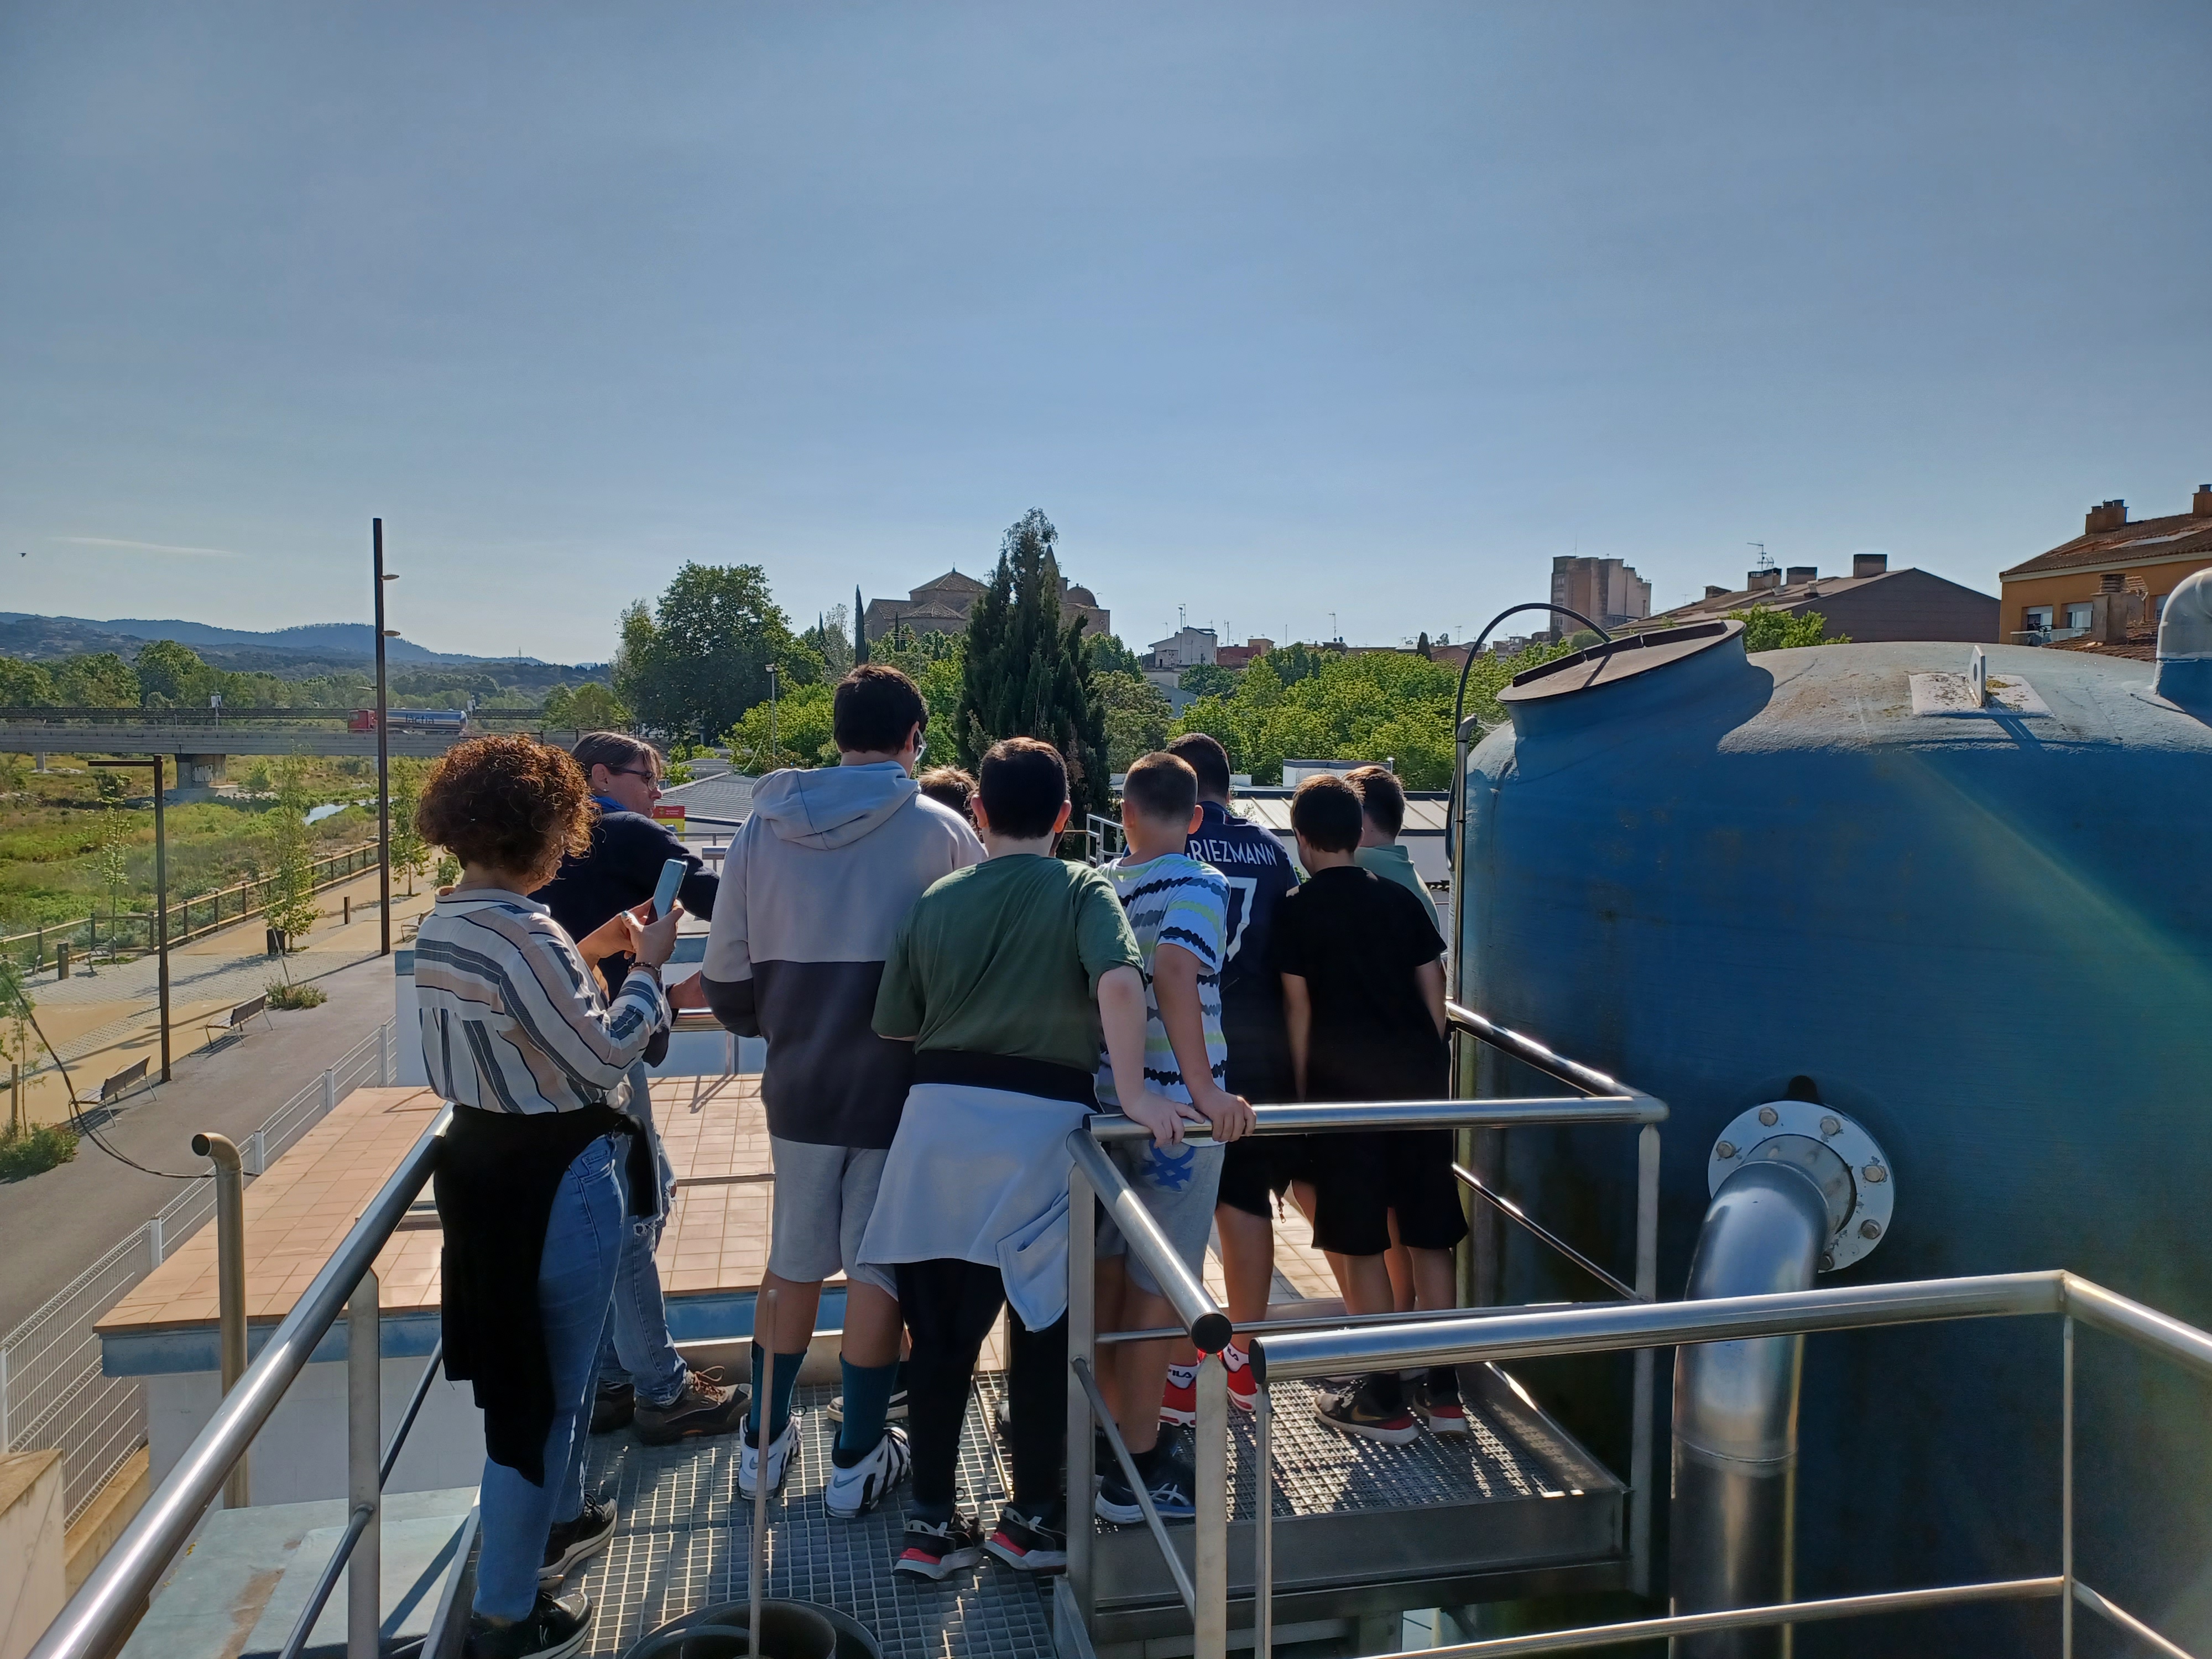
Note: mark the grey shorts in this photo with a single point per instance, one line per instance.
(1177, 1185)
(822, 1198)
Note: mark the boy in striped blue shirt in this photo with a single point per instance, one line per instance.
(1178, 908)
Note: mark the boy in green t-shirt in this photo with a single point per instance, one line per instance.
(1006, 977)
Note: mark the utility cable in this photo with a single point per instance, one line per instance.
(84, 1125)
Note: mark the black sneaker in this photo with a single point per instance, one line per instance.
(705, 1406)
(612, 1407)
(1030, 1543)
(1436, 1401)
(936, 1549)
(571, 1541)
(894, 1413)
(553, 1628)
(1361, 1408)
(1172, 1484)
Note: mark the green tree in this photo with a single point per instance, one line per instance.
(936, 663)
(410, 853)
(174, 674)
(25, 684)
(1207, 679)
(831, 640)
(1026, 672)
(1138, 717)
(288, 890)
(1293, 663)
(801, 738)
(114, 867)
(102, 680)
(590, 707)
(700, 658)
(1110, 656)
(1777, 630)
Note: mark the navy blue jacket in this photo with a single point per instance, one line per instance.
(1259, 873)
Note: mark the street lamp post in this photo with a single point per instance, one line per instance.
(774, 749)
(159, 763)
(383, 751)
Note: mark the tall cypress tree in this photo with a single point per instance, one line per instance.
(860, 628)
(1027, 673)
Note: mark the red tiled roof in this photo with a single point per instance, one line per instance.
(2146, 541)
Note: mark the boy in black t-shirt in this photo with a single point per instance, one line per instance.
(1364, 1000)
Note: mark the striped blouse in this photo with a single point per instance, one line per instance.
(512, 1019)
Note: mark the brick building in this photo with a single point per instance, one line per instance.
(941, 606)
(1871, 606)
(2113, 576)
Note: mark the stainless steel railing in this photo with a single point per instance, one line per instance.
(1584, 1329)
(100, 1615)
(1095, 1183)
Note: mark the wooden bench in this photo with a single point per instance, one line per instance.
(233, 1022)
(117, 1086)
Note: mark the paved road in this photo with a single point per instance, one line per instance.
(54, 1225)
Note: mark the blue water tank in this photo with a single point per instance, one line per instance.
(1984, 929)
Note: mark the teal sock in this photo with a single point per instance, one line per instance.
(777, 1394)
(867, 1397)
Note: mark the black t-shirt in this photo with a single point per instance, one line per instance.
(619, 872)
(1357, 940)
(1260, 875)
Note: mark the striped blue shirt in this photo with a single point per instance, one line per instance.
(1173, 900)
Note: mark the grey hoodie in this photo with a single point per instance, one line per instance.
(815, 884)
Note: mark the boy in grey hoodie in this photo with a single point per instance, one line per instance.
(813, 888)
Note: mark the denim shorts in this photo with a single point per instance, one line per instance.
(1176, 1185)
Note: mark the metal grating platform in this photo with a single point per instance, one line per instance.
(683, 1534)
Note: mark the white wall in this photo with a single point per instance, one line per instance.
(31, 1550)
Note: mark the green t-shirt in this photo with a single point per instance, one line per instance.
(1395, 863)
(1004, 958)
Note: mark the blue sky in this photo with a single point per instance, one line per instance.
(1279, 311)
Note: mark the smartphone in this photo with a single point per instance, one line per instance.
(664, 893)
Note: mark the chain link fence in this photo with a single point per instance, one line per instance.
(54, 1396)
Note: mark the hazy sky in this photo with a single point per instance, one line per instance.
(1278, 311)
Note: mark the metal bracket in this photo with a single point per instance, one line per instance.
(1874, 1183)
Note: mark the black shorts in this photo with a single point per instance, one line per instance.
(1361, 1176)
(1259, 1166)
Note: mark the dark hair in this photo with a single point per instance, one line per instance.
(1205, 756)
(615, 751)
(948, 786)
(874, 708)
(1326, 812)
(510, 802)
(1023, 786)
(1162, 786)
(1382, 797)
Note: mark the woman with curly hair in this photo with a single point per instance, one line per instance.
(539, 1167)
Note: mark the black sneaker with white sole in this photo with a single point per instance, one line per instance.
(854, 1489)
(1030, 1543)
(1372, 1407)
(553, 1628)
(573, 1542)
(937, 1549)
(1171, 1487)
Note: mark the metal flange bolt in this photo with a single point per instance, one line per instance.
(1873, 1193)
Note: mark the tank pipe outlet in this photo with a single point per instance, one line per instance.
(1735, 1403)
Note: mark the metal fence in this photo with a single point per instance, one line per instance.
(52, 1393)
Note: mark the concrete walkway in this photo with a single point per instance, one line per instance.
(54, 1224)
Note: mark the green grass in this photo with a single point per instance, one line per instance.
(283, 995)
(33, 1152)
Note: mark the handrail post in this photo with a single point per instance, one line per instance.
(2066, 1488)
(1209, 1617)
(364, 1478)
(230, 1284)
(1647, 1288)
(1263, 1524)
(1082, 1350)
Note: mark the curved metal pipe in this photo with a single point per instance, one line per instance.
(1736, 1409)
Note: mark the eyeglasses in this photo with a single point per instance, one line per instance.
(632, 772)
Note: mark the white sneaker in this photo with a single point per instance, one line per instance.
(852, 1493)
(780, 1453)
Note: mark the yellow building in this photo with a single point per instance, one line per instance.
(2113, 576)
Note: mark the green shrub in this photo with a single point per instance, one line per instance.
(281, 995)
(31, 1152)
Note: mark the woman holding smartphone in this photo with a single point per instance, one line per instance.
(539, 1168)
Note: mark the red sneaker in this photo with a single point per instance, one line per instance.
(1243, 1389)
(1179, 1402)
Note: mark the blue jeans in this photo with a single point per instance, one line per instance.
(575, 1276)
(635, 1346)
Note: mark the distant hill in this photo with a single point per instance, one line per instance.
(22, 634)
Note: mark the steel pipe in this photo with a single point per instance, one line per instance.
(2147, 1327)
(1530, 1052)
(1210, 1522)
(1613, 1326)
(2121, 1619)
(1333, 1322)
(1542, 1234)
(1207, 1326)
(230, 1285)
(1517, 1112)
(364, 1475)
(101, 1614)
(1735, 1412)
(1082, 1356)
(1077, 1516)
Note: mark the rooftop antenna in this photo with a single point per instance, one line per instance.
(1182, 621)
(1765, 562)
(1334, 632)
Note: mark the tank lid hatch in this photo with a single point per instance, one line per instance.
(1612, 661)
